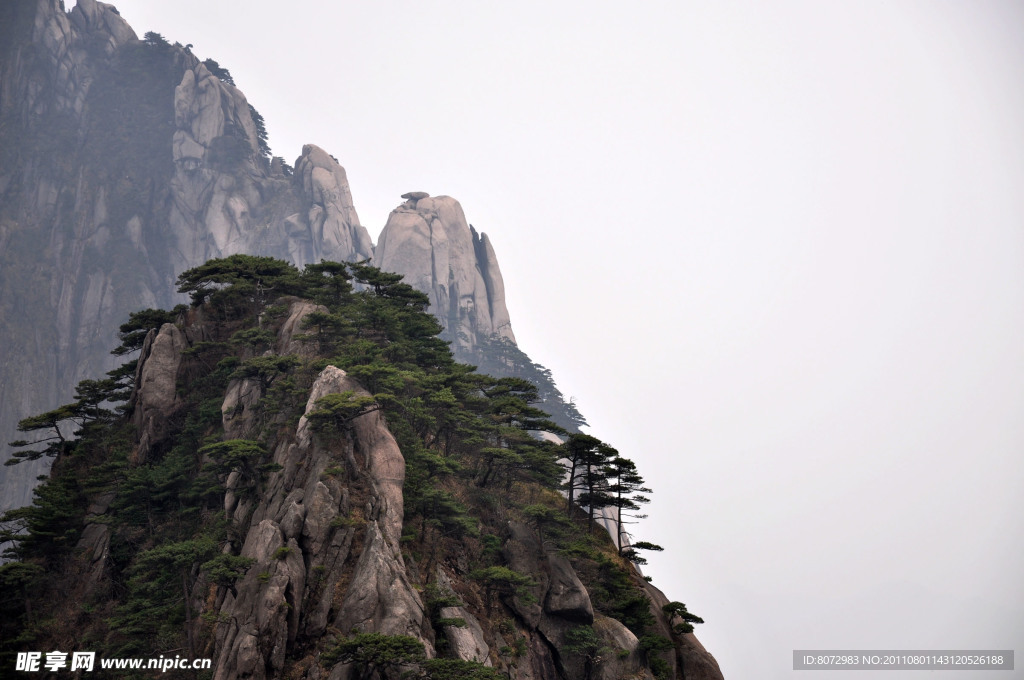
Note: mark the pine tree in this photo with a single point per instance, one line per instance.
(625, 489)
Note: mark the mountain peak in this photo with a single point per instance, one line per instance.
(429, 241)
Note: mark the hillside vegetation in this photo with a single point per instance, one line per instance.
(294, 478)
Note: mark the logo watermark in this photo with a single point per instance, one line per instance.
(36, 662)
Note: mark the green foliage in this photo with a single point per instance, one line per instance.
(613, 591)
(332, 472)
(47, 427)
(154, 38)
(473, 463)
(254, 339)
(377, 652)
(435, 600)
(265, 369)
(582, 641)
(261, 130)
(159, 583)
(133, 332)
(456, 669)
(654, 644)
(225, 569)
(681, 619)
(234, 455)
(229, 151)
(282, 553)
(333, 413)
(660, 668)
(624, 493)
(633, 556)
(586, 467)
(499, 356)
(327, 331)
(491, 545)
(19, 581)
(457, 622)
(550, 523)
(652, 647)
(218, 71)
(50, 527)
(504, 581)
(373, 651)
(239, 282)
(440, 510)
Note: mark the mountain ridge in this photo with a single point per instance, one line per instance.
(127, 162)
(303, 515)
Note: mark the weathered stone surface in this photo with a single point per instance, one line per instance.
(567, 597)
(155, 398)
(466, 642)
(294, 515)
(695, 661)
(296, 511)
(524, 554)
(415, 195)
(429, 242)
(616, 638)
(158, 370)
(690, 656)
(96, 240)
(239, 408)
(335, 232)
(94, 549)
(266, 608)
(380, 598)
(297, 313)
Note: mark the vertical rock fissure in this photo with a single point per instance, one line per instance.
(482, 265)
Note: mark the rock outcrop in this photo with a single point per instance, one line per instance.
(429, 242)
(156, 376)
(301, 552)
(319, 531)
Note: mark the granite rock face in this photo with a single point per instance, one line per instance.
(428, 240)
(323, 534)
(156, 376)
(123, 163)
(302, 551)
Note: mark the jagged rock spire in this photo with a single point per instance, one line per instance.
(428, 240)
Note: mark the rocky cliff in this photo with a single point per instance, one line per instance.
(124, 162)
(255, 504)
(223, 512)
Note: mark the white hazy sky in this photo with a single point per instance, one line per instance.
(774, 250)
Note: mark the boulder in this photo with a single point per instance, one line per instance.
(566, 597)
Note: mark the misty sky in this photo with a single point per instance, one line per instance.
(775, 251)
